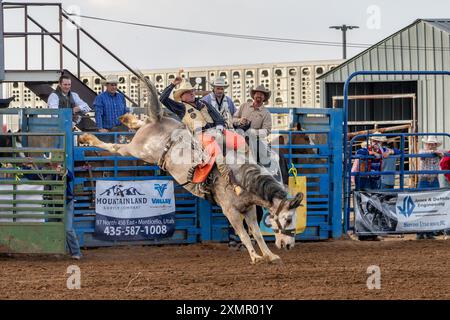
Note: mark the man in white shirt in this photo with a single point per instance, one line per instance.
(221, 102)
(62, 97)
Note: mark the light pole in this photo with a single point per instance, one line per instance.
(344, 29)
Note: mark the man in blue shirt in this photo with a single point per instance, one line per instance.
(389, 164)
(109, 106)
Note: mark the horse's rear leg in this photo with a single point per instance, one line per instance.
(236, 222)
(116, 148)
(252, 223)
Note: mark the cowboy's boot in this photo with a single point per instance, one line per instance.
(230, 179)
(201, 187)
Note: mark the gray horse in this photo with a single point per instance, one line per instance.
(167, 142)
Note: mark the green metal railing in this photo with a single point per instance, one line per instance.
(33, 192)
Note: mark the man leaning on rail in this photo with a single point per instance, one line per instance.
(63, 97)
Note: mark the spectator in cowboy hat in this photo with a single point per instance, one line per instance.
(366, 164)
(253, 115)
(256, 121)
(429, 180)
(109, 106)
(220, 101)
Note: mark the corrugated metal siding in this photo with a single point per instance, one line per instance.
(416, 48)
(424, 45)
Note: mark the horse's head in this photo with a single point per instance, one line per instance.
(282, 220)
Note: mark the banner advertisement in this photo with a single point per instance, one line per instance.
(408, 212)
(134, 210)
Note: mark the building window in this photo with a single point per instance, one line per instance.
(306, 72)
(292, 72)
(265, 73)
(249, 74)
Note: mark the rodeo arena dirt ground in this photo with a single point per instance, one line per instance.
(311, 270)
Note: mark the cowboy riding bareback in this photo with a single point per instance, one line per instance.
(208, 126)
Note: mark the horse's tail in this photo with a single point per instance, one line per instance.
(155, 110)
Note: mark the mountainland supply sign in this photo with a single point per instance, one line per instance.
(408, 212)
(134, 210)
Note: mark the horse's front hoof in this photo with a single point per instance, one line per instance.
(257, 260)
(88, 139)
(85, 138)
(275, 260)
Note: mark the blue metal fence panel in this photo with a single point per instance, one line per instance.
(92, 164)
(323, 174)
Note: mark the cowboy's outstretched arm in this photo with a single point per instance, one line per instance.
(176, 107)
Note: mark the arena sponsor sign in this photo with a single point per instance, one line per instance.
(134, 210)
(408, 212)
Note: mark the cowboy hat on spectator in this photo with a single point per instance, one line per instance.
(184, 87)
(378, 138)
(219, 82)
(111, 79)
(261, 89)
(431, 139)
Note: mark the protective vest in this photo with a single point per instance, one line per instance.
(67, 102)
(64, 101)
(224, 110)
(196, 119)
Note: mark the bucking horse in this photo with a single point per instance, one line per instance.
(165, 141)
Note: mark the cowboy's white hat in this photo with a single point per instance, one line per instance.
(219, 82)
(431, 139)
(379, 138)
(184, 87)
(111, 79)
(261, 89)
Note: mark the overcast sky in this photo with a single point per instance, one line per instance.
(146, 48)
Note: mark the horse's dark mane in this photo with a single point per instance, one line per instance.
(263, 185)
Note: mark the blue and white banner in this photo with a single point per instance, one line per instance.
(407, 212)
(134, 210)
